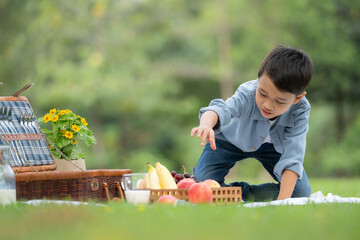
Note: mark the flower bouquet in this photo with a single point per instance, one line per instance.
(67, 129)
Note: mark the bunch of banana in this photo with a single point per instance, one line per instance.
(153, 179)
(166, 179)
(160, 178)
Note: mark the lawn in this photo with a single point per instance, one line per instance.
(124, 221)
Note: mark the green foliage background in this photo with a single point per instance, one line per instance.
(139, 70)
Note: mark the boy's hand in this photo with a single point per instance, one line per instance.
(206, 133)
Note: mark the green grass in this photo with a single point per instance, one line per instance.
(124, 221)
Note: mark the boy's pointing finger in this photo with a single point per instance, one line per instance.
(212, 141)
(193, 131)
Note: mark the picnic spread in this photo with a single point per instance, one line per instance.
(29, 171)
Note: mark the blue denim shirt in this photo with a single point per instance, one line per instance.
(241, 123)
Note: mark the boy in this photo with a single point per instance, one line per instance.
(266, 119)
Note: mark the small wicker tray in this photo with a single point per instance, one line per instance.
(220, 195)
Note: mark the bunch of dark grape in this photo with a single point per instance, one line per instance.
(178, 176)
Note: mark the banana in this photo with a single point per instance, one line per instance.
(153, 179)
(166, 180)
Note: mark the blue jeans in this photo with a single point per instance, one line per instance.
(216, 165)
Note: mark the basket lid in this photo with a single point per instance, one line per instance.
(29, 150)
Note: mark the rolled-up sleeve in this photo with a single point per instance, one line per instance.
(294, 144)
(233, 106)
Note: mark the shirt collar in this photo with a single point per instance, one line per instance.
(284, 120)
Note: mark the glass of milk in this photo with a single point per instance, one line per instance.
(136, 188)
(7, 177)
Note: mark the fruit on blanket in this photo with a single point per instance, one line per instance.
(179, 177)
(166, 179)
(167, 199)
(153, 179)
(186, 183)
(200, 193)
(212, 183)
(186, 174)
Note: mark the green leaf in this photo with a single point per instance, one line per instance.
(62, 142)
(69, 148)
(90, 140)
(55, 128)
(51, 137)
(77, 155)
(67, 117)
(46, 131)
(62, 124)
(55, 153)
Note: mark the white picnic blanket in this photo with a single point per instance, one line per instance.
(38, 202)
(315, 198)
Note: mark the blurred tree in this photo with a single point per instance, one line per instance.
(225, 60)
(140, 70)
(329, 32)
(104, 58)
(13, 66)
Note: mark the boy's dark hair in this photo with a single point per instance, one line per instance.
(290, 69)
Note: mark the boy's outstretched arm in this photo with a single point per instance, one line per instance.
(287, 185)
(205, 130)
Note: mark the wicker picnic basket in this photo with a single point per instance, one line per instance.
(96, 185)
(220, 195)
(34, 165)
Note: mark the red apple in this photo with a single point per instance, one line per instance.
(212, 183)
(200, 193)
(167, 199)
(186, 183)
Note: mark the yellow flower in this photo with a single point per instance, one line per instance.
(62, 112)
(141, 208)
(74, 141)
(75, 128)
(68, 134)
(67, 111)
(47, 118)
(84, 121)
(107, 209)
(55, 118)
(52, 111)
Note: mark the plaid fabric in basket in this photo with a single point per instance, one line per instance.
(25, 152)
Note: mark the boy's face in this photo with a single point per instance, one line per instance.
(271, 101)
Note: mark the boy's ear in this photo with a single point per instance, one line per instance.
(299, 97)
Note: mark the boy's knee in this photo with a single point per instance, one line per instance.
(202, 176)
(302, 189)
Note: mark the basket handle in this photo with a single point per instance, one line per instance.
(117, 186)
(121, 193)
(106, 191)
(23, 89)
